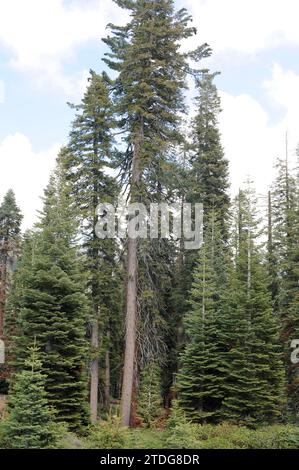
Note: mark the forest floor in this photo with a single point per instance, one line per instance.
(224, 436)
(135, 439)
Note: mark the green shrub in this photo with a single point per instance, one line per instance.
(3, 442)
(108, 434)
(276, 437)
(223, 436)
(183, 436)
(177, 416)
(71, 441)
(226, 436)
(181, 433)
(145, 438)
(218, 443)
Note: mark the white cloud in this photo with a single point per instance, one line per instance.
(26, 172)
(73, 86)
(245, 26)
(243, 124)
(2, 91)
(42, 35)
(251, 142)
(283, 88)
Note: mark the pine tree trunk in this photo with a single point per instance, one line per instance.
(131, 301)
(134, 420)
(94, 379)
(131, 314)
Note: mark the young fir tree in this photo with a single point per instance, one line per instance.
(86, 160)
(255, 377)
(149, 399)
(47, 303)
(30, 424)
(201, 375)
(10, 237)
(148, 95)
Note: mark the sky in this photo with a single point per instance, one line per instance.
(48, 47)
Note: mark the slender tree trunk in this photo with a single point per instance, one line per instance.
(270, 231)
(3, 293)
(107, 373)
(131, 301)
(249, 265)
(271, 258)
(94, 379)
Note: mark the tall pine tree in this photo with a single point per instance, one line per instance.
(86, 161)
(209, 171)
(149, 95)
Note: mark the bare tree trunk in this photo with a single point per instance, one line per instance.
(131, 315)
(270, 231)
(3, 293)
(134, 420)
(94, 379)
(131, 301)
(249, 254)
(107, 373)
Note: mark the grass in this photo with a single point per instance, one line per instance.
(146, 439)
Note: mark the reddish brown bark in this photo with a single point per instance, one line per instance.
(131, 300)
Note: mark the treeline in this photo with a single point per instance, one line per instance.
(143, 322)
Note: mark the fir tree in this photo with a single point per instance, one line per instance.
(255, 377)
(201, 378)
(48, 304)
(10, 231)
(204, 180)
(149, 399)
(30, 424)
(209, 167)
(10, 238)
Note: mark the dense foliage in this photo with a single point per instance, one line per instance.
(194, 345)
